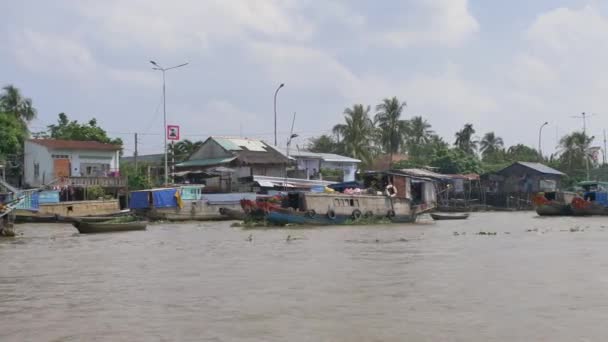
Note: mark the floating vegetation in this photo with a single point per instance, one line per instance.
(487, 233)
(368, 221)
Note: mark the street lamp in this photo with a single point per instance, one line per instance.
(275, 112)
(540, 132)
(160, 68)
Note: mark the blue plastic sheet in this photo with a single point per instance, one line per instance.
(164, 198)
(139, 200)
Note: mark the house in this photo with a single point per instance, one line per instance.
(524, 177)
(228, 164)
(70, 162)
(309, 164)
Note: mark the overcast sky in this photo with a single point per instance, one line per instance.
(504, 66)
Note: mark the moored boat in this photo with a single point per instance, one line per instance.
(556, 203)
(403, 199)
(184, 203)
(446, 216)
(108, 226)
(594, 200)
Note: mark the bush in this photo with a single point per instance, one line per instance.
(95, 192)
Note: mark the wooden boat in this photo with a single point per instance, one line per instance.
(444, 216)
(107, 227)
(553, 203)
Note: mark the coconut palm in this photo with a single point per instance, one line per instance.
(490, 144)
(391, 128)
(184, 149)
(464, 139)
(12, 102)
(573, 149)
(356, 133)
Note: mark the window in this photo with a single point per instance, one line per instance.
(36, 170)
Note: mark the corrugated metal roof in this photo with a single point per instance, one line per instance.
(328, 157)
(59, 144)
(540, 168)
(422, 173)
(240, 144)
(206, 162)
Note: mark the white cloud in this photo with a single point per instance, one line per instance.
(193, 24)
(441, 22)
(60, 55)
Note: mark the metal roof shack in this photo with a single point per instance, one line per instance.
(531, 167)
(59, 144)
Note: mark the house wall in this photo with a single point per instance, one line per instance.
(309, 165)
(517, 178)
(348, 169)
(34, 153)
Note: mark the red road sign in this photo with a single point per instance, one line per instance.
(172, 132)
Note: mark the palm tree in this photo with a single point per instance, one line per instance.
(419, 131)
(356, 133)
(12, 102)
(184, 149)
(490, 144)
(391, 129)
(464, 139)
(573, 149)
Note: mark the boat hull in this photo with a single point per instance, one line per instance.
(554, 209)
(100, 227)
(442, 217)
(299, 218)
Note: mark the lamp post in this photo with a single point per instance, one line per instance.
(275, 112)
(160, 68)
(540, 132)
(293, 135)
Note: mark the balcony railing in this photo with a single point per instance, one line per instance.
(106, 182)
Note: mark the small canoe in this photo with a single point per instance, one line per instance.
(106, 227)
(441, 216)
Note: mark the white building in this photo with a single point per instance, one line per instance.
(312, 162)
(50, 159)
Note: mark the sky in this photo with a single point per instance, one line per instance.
(504, 66)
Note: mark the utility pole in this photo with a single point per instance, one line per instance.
(275, 112)
(604, 154)
(160, 68)
(172, 161)
(135, 153)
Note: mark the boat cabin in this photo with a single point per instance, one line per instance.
(594, 191)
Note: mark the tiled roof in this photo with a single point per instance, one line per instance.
(58, 144)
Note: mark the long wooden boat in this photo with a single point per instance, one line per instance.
(444, 216)
(330, 209)
(105, 227)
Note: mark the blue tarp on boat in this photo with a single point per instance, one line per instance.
(164, 198)
(139, 200)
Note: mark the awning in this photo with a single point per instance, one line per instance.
(265, 184)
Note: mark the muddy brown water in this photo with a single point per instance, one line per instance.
(537, 279)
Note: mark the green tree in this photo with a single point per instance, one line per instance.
(418, 138)
(392, 129)
(73, 130)
(491, 146)
(323, 144)
(455, 161)
(464, 139)
(573, 153)
(12, 135)
(183, 149)
(521, 152)
(357, 133)
(13, 103)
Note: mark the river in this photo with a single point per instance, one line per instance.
(537, 279)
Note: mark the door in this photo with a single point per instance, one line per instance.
(61, 167)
